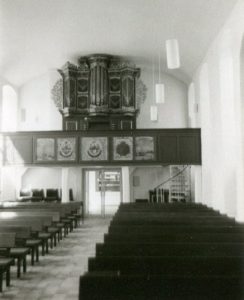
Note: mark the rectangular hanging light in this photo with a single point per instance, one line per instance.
(159, 90)
(154, 113)
(173, 54)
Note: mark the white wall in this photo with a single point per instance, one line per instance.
(8, 184)
(52, 177)
(37, 110)
(74, 182)
(171, 114)
(3, 83)
(42, 178)
(217, 90)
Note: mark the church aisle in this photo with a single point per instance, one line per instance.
(56, 276)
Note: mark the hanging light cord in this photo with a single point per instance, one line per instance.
(153, 70)
(159, 68)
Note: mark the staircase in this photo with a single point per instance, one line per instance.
(172, 251)
(180, 190)
(177, 188)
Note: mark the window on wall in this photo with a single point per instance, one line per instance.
(192, 105)
(227, 92)
(9, 108)
(204, 95)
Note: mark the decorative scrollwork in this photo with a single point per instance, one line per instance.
(120, 64)
(57, 93)
(83, 65)
(141, 93)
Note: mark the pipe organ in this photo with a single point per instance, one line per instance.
(99, 93)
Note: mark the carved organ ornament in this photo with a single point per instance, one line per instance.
(100, 86)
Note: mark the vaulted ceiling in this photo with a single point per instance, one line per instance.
(37, 35)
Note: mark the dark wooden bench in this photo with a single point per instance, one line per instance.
(167, 251)
(175, 238)
(155, 221)
(111, 286)
(170, 266)
(188, 228)
(171, 249)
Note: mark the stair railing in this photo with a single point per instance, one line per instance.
(159, 188)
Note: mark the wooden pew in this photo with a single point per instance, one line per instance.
(111, 286)
(188, 228)
(15, 251)
(50, 231)
(170, 266)
(27, 212)
(38, 217)
(30, 238)
(58, 214)
(175, 238)
(68, 211)
(30, 212)
(167, 252)
(68, 208)
(6, 241)
(5, 264)
(170, 249)
(158, 221)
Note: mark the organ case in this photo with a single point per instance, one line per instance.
(99, 93)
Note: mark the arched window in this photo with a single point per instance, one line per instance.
(9, 108)
(204, 99)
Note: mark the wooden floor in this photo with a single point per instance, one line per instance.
(56, 276)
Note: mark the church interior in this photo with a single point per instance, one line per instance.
(121, 149)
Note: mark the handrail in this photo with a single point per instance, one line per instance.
(169, 179)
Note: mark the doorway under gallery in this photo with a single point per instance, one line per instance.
(103, 191)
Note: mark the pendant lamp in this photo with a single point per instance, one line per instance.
(173, 55)
(159, 92)
(159, 87)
